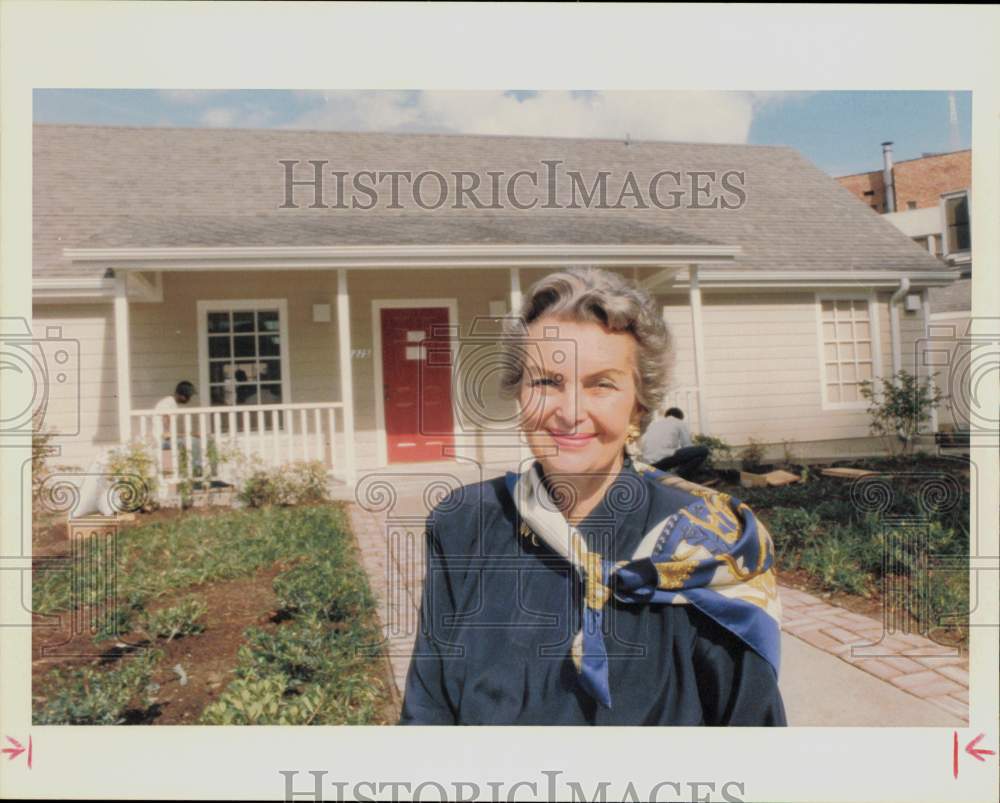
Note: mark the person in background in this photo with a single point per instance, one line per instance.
(182, 395)
(667, 445)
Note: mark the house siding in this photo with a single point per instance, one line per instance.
(83, 409)
(762, 372)
(762, 377)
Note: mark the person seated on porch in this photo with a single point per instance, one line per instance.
(586, 588)
(182, 395)
(667, 445)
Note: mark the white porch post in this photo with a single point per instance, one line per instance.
(925, 303)
(515, 290)
(694, 296)
(346, 379)
(523, 452)
(122, 358)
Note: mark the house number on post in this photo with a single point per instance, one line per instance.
(361, 354)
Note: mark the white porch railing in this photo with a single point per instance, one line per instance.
(275, 434)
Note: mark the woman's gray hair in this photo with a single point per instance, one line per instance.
(598, 296)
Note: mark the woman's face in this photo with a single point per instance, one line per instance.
(578, 395)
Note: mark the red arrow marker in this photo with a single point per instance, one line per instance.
(14, 753)
(978, 753)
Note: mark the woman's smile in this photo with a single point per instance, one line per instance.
(571, 441)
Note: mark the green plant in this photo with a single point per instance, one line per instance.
(185, 488)
(88, 696)
(308, 482)
(299, 650)
(328, 590)
(897, 412)
(300, 482)
(789, 458)
(718, 450)
(752, 455)
(834, 562)
(263, 701)
(182, 619)
(41, 450)
(136, 468)
(214, 457)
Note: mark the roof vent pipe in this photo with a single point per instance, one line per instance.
(887, 181)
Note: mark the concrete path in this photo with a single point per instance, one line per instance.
(838, 667)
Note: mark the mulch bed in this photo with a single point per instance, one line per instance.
(872, 605)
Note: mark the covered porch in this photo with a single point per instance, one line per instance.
(291, 352)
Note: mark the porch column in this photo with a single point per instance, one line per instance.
(346, 380)
(122, 357)
(694, 298)
(925, 303)
(515, 290)
(523, 452)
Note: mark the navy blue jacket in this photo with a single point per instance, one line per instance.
(499, 612)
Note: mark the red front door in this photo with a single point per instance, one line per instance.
(416, 390)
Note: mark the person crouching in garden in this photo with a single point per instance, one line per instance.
(667, 445)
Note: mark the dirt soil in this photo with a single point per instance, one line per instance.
(207, 659)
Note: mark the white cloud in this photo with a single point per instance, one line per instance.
(219, 117)
(184, 96)
(677, 116)
(236, 117)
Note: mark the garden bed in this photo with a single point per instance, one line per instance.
(849, 551)
(223, 617)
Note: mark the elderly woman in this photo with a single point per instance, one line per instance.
(590, 589)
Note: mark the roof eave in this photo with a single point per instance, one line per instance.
(399, 256)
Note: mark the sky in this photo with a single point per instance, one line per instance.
(841, 132)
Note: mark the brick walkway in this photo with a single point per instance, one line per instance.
(392, 555)
(915, 664)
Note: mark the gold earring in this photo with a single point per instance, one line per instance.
(632, 435)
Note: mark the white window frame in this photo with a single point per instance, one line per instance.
(876, 341)
(945, 197)
(242, 305)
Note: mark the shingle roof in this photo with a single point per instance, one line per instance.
(107, 186)
(409, 228)
(956, 297)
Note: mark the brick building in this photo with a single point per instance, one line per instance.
(935, 187)
(928, 199)
(918, 183)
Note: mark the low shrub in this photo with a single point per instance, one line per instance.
(298, 483)
(263, 701)
(834, 562)
(137, 487)
(718, 450)
(88, 696)
(183, 619)
(752, 455)
(325, 590)
(300, 650)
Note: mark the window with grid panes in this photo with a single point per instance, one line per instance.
(848, 358)
(244, 358)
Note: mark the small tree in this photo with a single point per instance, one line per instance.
(897, 412)
(752, 455)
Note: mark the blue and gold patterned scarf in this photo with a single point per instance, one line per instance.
(712, 553)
